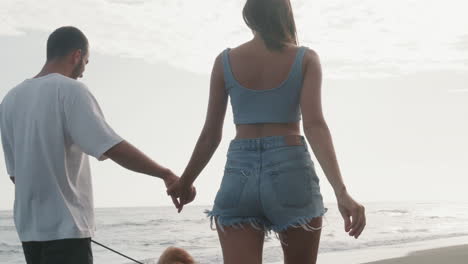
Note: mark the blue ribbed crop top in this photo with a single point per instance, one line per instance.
(277, 105)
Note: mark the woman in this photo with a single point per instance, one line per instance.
(269, 181)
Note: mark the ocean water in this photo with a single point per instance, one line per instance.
(143, 233)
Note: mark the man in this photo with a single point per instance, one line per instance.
(49, 125)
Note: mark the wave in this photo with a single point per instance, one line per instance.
(441, 217)
(394, 211)
(7, 228)
(387, 242)
(7, 249)
(406, 230)
(131, 224)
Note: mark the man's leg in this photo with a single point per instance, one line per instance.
(32, 252)
(70, 251)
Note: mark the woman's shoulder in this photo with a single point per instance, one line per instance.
(224, 53)
(310, 56)
(244, 48)
(309, 53)
(223, 56)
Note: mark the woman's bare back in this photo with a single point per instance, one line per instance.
(257, 68)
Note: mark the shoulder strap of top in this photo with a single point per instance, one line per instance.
(227, 67)
(298, 63)
(302, 51)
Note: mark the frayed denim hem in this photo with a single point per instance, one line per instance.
(236, 222)
(255, 222)
(299, 222)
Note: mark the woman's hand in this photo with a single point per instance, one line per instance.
(184, 192)
(169, 180)
(353, 214)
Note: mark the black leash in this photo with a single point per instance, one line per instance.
(117, 252)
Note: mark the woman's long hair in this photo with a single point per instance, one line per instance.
(273, 20)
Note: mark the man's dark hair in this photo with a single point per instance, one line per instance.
(65, 40)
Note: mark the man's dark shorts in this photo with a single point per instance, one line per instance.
(69, 251)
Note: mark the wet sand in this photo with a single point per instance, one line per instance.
(445, 255)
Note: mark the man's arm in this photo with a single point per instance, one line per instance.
(89, 130)
(129, 157)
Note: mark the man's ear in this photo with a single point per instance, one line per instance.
(76, 56)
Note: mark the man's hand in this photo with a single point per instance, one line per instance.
(169, 180)
(185, 192)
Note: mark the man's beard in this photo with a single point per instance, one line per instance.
(78, 70)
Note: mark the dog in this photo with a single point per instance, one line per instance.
(174, 255)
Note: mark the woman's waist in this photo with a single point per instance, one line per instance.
(267, 143)
(268, 152)
(261, 130)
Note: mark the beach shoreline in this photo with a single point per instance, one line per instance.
(451, 250)
(447, 255)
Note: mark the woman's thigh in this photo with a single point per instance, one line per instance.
(300, 246)
(241, 244)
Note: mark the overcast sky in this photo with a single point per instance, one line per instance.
(395, 89)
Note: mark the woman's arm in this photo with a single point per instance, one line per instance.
(210, 136)
(319, 137)
(314, 124)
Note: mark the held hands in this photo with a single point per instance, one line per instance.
(185, 192)
(353, 214)
(169, 180)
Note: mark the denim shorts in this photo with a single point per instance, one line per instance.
(270, 183)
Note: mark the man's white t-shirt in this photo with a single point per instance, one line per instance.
(49, 125)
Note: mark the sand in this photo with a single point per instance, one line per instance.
(445, 255)
(437, 251)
